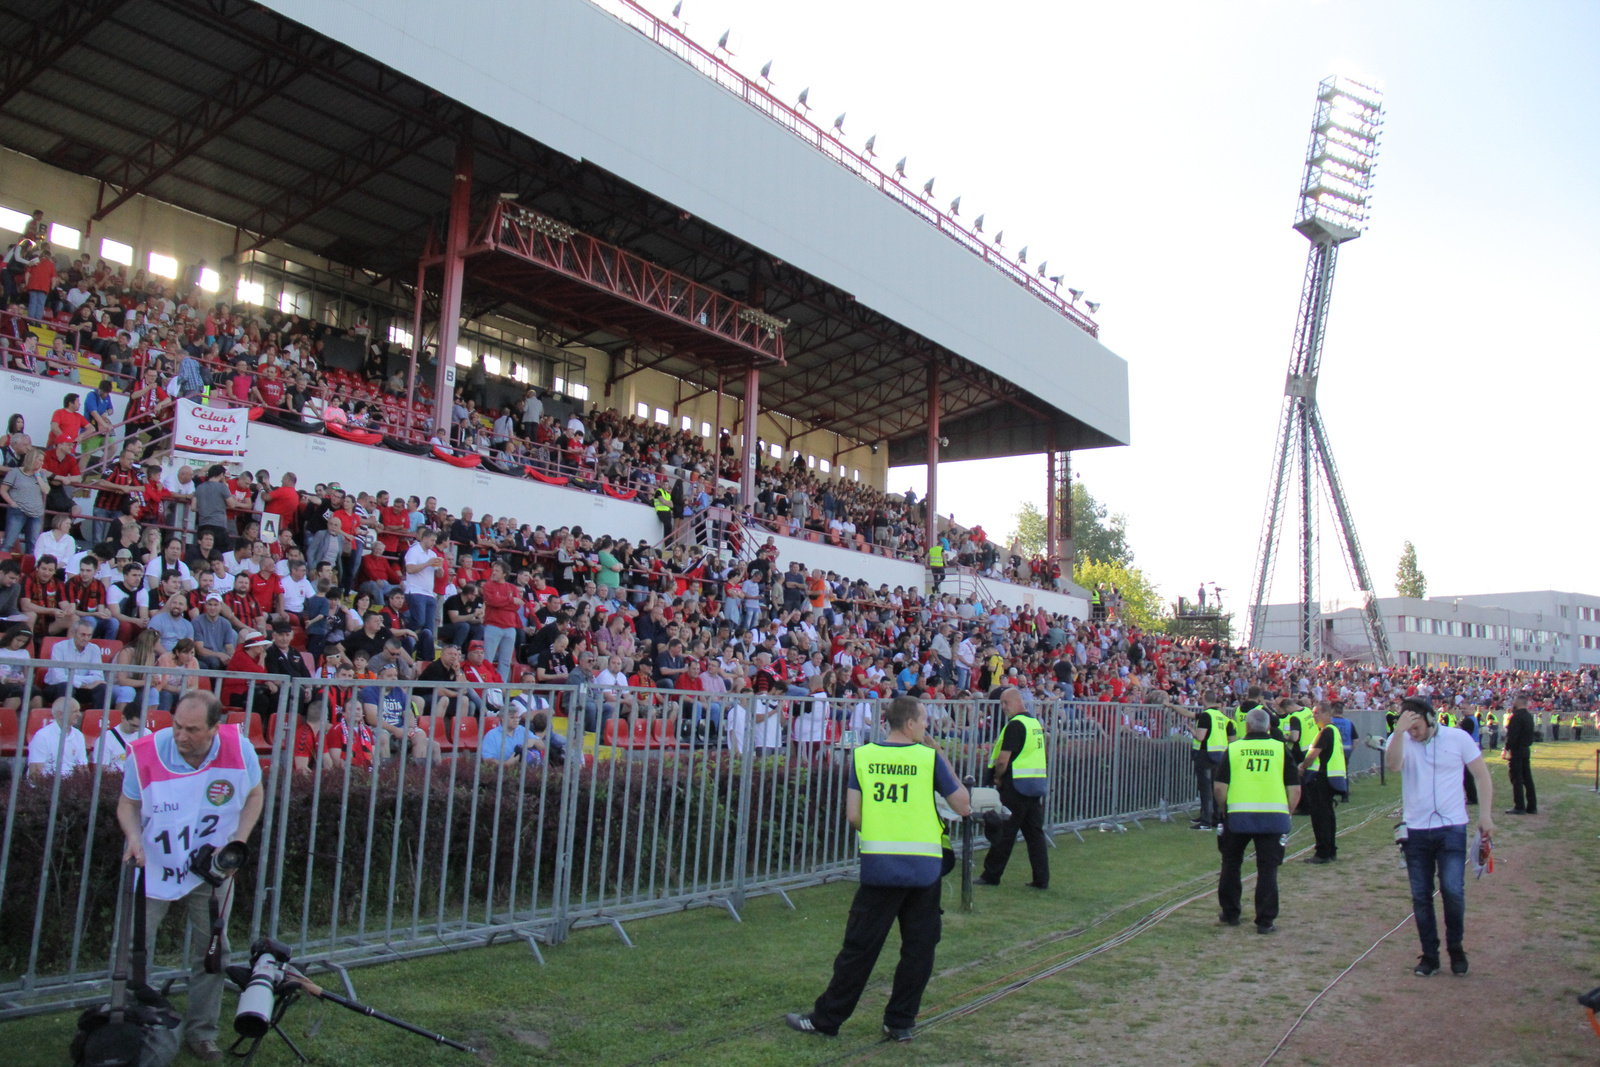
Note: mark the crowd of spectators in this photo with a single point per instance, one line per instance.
(156, 339)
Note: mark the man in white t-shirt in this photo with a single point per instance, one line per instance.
(296, 588)
(1431, 759)
(422, 564)
(58, 746)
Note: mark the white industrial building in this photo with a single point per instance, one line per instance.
(1535, 630)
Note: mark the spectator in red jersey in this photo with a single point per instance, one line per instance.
(41, 279)
(67, 422)
(88, 595)
(352, 738)
(239, 606)
(44, 601)
(249, 657)
(269, 389)
(309, 737)
(62, 465)
(112, 499)
(284, 502)
(149, 408)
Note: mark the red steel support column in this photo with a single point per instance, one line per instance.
(455, 240)
(410, 420)
(1050, 496)
(933, 454)
(752, 409)
(716, 439)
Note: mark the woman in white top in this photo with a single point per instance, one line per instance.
(57, 541)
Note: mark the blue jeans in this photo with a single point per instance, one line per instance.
(102, 528)
(752, 614)
(500, 648)
(36, 299)
(459, 633)
(1444, 848)
(422, 611)
(15, 521)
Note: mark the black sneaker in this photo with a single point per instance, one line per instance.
(983, 880)
(1223, 920)
(1318, 859)
(1426, 967)
(795, 1021)
(1515, 811)
(1458, 960)
(1267, 928)
(1202, 826)
(902, 1034)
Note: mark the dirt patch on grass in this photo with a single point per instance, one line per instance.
(1192, 993)
(1531, 940)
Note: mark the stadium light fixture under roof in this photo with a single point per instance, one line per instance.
(1342, 157)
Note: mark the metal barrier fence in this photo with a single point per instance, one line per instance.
(410, 818)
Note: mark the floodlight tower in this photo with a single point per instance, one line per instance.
(1333, 210)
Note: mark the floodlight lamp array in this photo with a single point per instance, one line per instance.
(1342, 156)
(761, 320)
(542, 224)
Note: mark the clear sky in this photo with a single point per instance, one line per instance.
(1152, 152)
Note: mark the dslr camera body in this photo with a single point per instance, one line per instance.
(216, 865)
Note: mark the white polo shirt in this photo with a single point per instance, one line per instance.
(1431, 784)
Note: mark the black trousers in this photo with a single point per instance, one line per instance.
(1318, 796)
(874, 910)
(1203, 768)
(1469, 785)
(1269, 857)
(1523, 797)
(1027, 815)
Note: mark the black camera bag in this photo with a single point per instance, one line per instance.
(143, 1033)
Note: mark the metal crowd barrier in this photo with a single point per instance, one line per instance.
(658, 801)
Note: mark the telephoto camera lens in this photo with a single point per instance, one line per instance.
(260, 992)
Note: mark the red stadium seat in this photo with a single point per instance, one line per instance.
(8, 732)
(156, 719)
(257, 739)
(464, 733)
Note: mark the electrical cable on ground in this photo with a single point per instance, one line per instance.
(1127, 934)
(1149, 921)
(1279, 1046)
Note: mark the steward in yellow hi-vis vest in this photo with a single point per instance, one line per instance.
(1017, 762)
(1324, 759)
(890, 803)
(1257, 785)
(1208, 740)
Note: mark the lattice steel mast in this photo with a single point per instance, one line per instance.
(1333, 210)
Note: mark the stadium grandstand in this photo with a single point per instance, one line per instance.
(360, 189)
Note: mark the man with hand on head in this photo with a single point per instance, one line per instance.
(1430, 759)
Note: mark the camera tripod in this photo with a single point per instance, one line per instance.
(289, 990)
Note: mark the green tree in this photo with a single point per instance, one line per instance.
(1141, 599)
(1097, 534)
(1029, 530)
(1408, 578)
